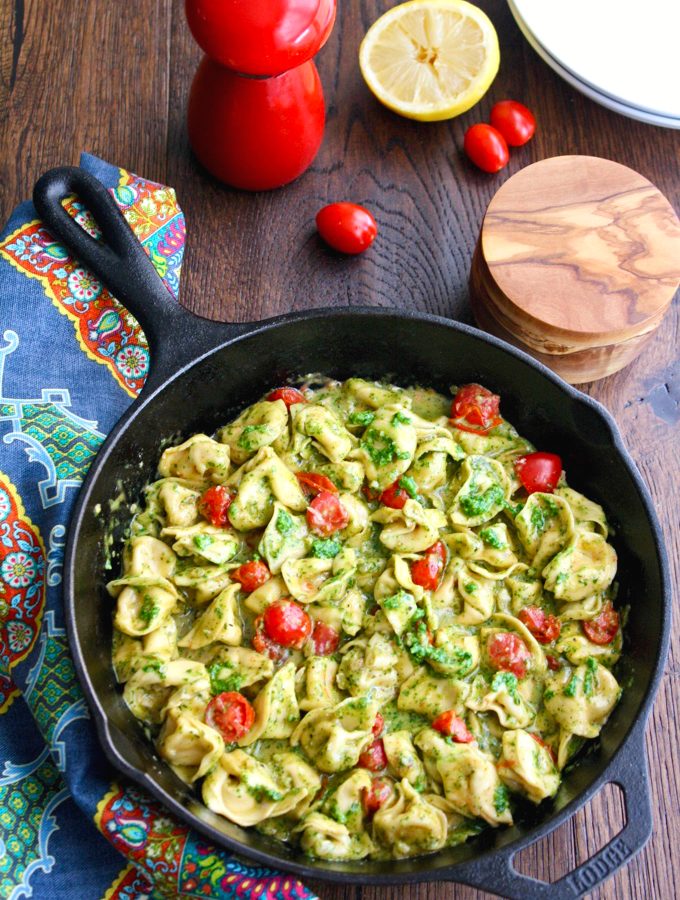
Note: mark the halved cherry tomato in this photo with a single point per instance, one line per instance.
(475, 409)
(426, 572)
(438, 549)
(603, 629)
(394, 496)
(451, 725)
(316, 483)
(486, 147)
(539, 471)
(508, 653)
(374, 757)
(325, 639)
(378, 725)
(370, 494)
(287, 623)
(545, 628)
(214, 504)
(346, 227)
(231, 714)
(252, 575)
(514, 121)
(326, 514)
(289, 396)
(376, 796)
(539, 740)
(553, 662)
(265, 645)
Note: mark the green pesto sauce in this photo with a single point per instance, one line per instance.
(478, 504)
(411, 633)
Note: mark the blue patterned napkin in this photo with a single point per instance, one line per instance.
(71, 361)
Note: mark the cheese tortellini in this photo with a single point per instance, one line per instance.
(344, 620)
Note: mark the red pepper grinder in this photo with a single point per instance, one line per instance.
(256, 111)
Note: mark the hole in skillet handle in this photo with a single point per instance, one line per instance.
(119, 261)
(495, 873)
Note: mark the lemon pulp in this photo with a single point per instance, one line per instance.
(430, 59)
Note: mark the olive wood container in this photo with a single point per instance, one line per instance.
(577, 262)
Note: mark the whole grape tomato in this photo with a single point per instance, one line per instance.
(486, 148)
(514, 121)
(346, 227)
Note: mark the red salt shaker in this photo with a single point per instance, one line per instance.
(256, 110)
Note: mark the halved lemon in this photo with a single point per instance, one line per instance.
(430, 59)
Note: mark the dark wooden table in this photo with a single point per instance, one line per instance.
(112, 78)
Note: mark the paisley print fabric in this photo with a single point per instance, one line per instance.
(71, 360)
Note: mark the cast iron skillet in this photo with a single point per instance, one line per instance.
(201, 375)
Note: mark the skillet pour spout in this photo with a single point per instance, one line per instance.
(202, 375)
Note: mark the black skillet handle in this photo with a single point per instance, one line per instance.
(497, 875)
(175, 335)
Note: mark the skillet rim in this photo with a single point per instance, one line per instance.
(245, 331)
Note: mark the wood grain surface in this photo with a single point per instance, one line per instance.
(575, 358)
(584, 245)
(112, 78)
(577, 262)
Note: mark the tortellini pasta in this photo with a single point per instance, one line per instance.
(410, 825)
(469, 778)
(190, 746)
(198, 459)
(527, 767)
(482, 492)
(178, 499)
(245, 790)
(276, 708)
(326, 838)
(403, 760)
(334, 737)
(580, 701)
(325, 429)
(258, 426)
(260, 482)
(370, 666)
(316, 680)
(410, 529)
(208, 542)
(348, 625)
(219, 622)
(388, 445)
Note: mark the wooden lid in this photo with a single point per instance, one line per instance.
(584, 246)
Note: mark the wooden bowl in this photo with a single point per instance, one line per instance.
(577, 262)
